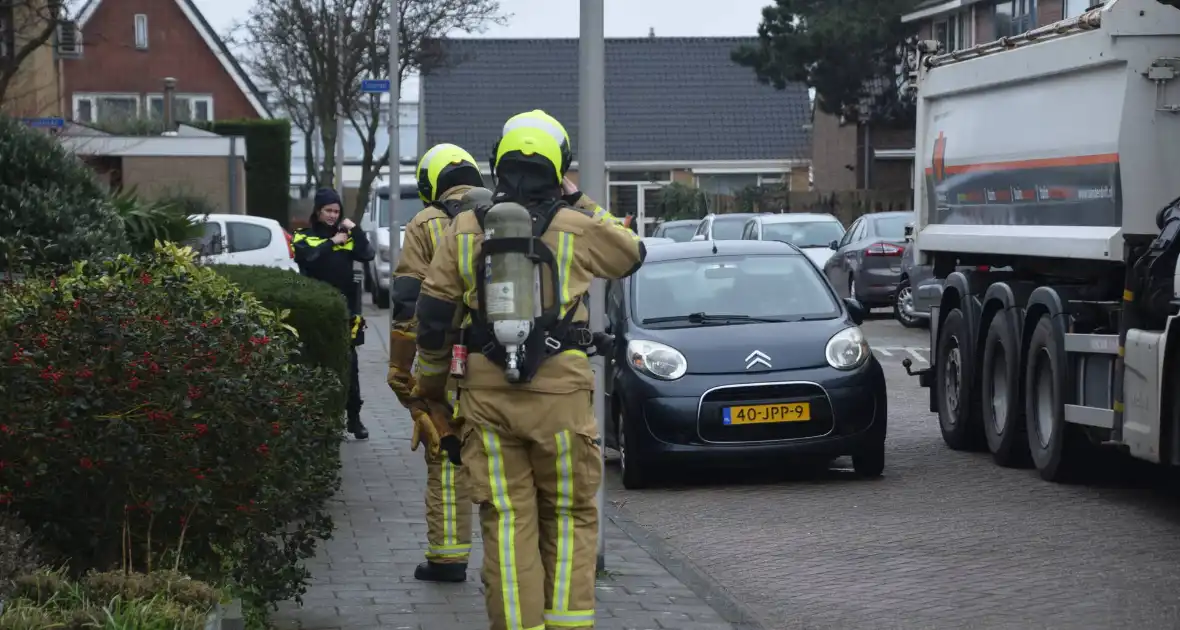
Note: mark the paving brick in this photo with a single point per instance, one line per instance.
(363, 577)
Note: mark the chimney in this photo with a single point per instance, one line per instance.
(169, 106)
(651, 32)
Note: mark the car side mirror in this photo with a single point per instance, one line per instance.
(698, 237)
(214, 247)
(909, 232)
(834, 245)
(856, 310)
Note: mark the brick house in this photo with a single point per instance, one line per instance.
(123, 51)
(35, 88)
(677, 110)
(847, 157)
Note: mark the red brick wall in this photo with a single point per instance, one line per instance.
(1050, 11)
(111, 63)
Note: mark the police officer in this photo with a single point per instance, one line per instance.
(446, 173)
(531, 450)
(326, 251)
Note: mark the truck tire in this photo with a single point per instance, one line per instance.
(1003, 406)
(958, 412)
(1055, 447)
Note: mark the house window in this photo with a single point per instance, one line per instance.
(726, 183)
(772, 179)
(639, 177)
(69, 40)
(1013, 17)
(1074, 8)
(141, 31)
(188, 107)
(954, 32)
(105, 108)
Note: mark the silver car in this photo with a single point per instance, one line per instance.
(679, 231)
(810, 232)
(866, 263)
(722, 227)
(908, 308)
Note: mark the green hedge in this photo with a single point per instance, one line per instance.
(53, 209)
(268, 164)
(317, 311)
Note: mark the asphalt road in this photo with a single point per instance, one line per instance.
(945, 540)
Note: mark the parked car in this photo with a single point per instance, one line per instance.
(866, 263)
(239, 239)
(679, 230)
(376, 226)
(810, 232)
(907, 309)
(722, 227)
(738, 353)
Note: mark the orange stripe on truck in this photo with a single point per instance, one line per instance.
(1077, 160)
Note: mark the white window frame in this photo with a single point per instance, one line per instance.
(963, 22)
(95, 97)
(194, 97)
(141, 31)
(78, 43)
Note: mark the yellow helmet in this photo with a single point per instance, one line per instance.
(443, 167)
(534, 137)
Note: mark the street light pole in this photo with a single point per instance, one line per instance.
(592, 180)
(339, 174)
(395, 187)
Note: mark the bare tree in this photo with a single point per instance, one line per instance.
(25, 27)
(316, 63)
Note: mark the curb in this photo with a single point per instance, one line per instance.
(682, 568)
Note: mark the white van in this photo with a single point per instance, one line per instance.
(376, 226)
(239, 239)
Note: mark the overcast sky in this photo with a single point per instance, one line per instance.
(559, 18)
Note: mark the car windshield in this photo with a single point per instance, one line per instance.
(804, 234)
(748, 287)
(678, 233)
(729, 228)
(893, 228)
(407, 207)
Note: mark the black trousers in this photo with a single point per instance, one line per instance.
(354, 385)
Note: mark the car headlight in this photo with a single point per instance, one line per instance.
(847, 349)
(657, 360)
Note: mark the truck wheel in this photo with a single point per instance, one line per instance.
(1003, 407)
(1056, 448)
(958, 414)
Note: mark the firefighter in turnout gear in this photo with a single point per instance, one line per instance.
(446, 174)
(531, 450)
(326, 250)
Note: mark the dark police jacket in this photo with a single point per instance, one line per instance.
(318, 257)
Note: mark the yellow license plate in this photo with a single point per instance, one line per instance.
(762, 414)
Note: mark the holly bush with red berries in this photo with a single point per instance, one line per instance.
(151, 414)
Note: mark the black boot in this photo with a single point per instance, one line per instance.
(434, 572)
(356, 427)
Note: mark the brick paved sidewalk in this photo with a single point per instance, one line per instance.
(364, 575)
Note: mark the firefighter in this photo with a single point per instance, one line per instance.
(326, 251)
(446, 173)
(531, 450)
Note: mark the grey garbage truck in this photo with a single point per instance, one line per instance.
(1046, 192)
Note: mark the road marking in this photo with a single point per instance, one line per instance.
(916, 353)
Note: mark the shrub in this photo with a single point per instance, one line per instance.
(316, 310)
(164, 219)
(152, 413)
(268, 163)
(164, 600)
(18, 554)
(52, 208)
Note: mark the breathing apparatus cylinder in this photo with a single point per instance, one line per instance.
(511, 284)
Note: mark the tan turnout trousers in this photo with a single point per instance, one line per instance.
(534, 465)
(448, 510)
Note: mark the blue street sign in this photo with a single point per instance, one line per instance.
(375, 86)
(45, 123)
